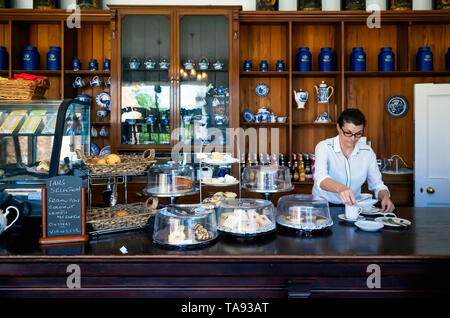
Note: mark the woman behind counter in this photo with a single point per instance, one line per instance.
(342, 164)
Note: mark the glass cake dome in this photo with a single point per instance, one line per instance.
(246, 217)
(170, 178)
(266, 179)
(186, 225)
(303, 212)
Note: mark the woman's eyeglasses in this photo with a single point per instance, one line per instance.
(350, 134)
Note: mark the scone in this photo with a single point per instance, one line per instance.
(112, 159)
(44, 166)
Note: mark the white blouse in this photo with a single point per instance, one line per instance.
(353, 172)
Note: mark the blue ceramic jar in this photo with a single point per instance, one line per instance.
(386, 60)
(30, 59)
(326, 60)
(264, 66)
(358, 60)
(54, 58)
(303, 60)
(3, 58)
(424, 59)
(447, 60)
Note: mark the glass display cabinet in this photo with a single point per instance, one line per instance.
(174, 75)
(38, 140)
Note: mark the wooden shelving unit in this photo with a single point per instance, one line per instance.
(42, 29)
(278, 35)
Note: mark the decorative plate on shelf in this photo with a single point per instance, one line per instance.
(249, 116)
(262, 89)
(103, 99)
(397, 106)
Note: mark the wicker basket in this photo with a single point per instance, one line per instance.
(23, 89)
(129, 165)
(111, 218)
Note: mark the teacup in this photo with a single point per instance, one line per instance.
(205, 172)
(79, 82)
(108, 82)
(352, 212)
(3, 218)
(95, 81)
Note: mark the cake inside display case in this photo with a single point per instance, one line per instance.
(303, 212)
(266, 179)
(246, 217)
(170, 178)
(185, 226)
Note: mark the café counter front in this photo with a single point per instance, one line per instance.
(339, 261)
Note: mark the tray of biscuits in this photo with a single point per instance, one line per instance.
(120, 217)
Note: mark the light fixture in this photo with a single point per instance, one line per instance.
(204, 75)
(193, 72)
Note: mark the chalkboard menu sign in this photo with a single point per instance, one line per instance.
(63, 211)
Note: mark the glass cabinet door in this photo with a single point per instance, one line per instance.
(204, 96)
(146, 90)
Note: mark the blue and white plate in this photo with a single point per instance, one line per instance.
(105, 151)
(249, 116)
(397, 106)
(262, 89)
(103, 99)
(94, 149)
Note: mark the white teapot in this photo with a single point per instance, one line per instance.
(4, 221)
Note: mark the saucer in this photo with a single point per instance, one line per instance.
(369, 226)
(343, 218)
(391, 221)
(366, 203)
(370, 210)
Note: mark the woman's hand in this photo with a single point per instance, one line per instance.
(387, 205)
(347, 196)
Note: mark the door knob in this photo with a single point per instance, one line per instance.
(430, 190)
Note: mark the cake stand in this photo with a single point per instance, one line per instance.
(173, 196)
(268, 193)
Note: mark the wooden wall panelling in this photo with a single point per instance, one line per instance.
(306, 137)
(436, 36)
(402, 57)
(312, 108)
(93, 42)
(372, 40)
(263, 42)
(315, 37)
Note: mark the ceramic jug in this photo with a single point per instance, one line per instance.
(300, 97)
(3, 218)
(323, 94)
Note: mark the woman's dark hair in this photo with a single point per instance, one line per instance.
(352, 116)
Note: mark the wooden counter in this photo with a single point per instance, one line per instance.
(331, 263)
